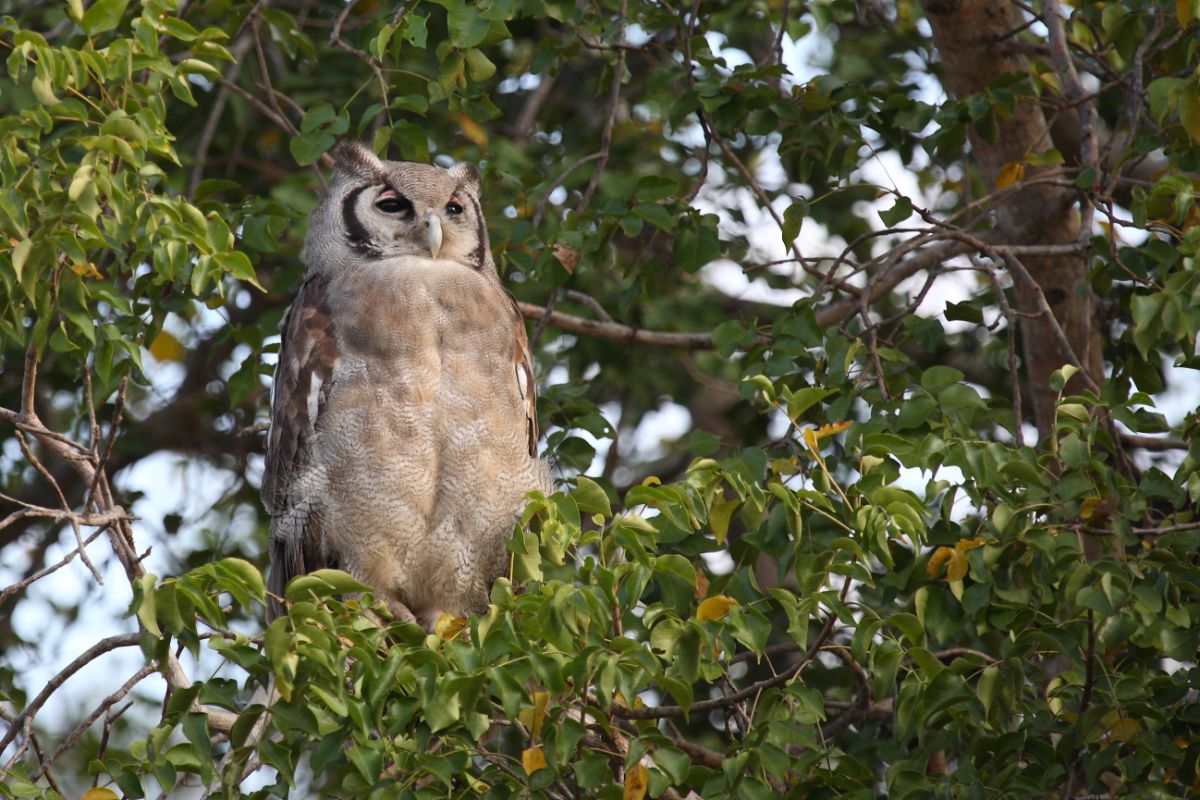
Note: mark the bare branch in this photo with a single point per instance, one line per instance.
(114, 698)
(82, 660)
(618, 332)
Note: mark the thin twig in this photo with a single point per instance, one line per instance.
(659, 712)
(213, 120)
(79, 662)
(614, 99)
(251, 18)
(13, 589)
(116, 697)
(591, 302)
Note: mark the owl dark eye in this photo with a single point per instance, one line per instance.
(392, 202)
(454, 207)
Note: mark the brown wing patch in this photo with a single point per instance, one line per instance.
(303, 379)
(523, 374)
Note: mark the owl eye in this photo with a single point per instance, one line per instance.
(454, 207)
(392, 202)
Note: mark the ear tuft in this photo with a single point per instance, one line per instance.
(466, 174)
(357, 159)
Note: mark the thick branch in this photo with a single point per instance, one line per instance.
(617, 332)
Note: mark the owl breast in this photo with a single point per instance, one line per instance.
(431, 443)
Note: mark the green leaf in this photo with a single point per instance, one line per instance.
(695, 245)
(793, 218)
(20, 256)
(729, 336)
(467, 28)
(591, 497)
(122, 126)
(805, 399)
(146, 612)
(317, 116)
(675, 763)
(939, 377)
(479, 66)
(899, 212)
(322, 583)
(987, 688)
(1164, 96)
(910, 626)
(655, 187)
(238, 265)
(103, 15)
(656, 215)
(308, 147)
(244, 572)
(1189, 111)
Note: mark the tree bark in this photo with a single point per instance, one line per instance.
(974, 41)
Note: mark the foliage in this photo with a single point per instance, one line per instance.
(860, 570)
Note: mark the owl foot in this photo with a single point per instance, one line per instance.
(400, 612)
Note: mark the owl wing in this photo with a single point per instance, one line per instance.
(523, 367)
(303, 379)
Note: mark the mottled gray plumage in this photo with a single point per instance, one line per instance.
(403, 428)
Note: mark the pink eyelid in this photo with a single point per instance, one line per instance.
(387, 194)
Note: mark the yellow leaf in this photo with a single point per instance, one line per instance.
(652, 480)
(1186, 11)
(1123, 728)
(718, 519)
(1009, 174)
(636, 781)
(99, 794)
(958, 566)
(715, 607)
(85, 269)
(963, 545)
(939, 556)
(166, 347)
(831, 428)
(470, 129)
(532, 759)
(1113, 727)
(448, 626)
(1089, 507)
(531, 716)
(810, 438)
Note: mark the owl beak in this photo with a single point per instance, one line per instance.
(433, 233)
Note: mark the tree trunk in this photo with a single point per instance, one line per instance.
(972, 38)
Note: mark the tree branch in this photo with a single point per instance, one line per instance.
(618, 332)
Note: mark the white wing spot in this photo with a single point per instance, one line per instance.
(522, 381)
(314, 396)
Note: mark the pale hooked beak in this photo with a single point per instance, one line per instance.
(433, 233)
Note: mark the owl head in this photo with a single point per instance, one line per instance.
(376, 209)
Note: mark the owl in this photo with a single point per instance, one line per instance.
(403, 433)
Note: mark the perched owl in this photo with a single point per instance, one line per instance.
(403, 429)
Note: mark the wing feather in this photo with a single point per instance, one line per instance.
(523, 373)
(303, 379)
